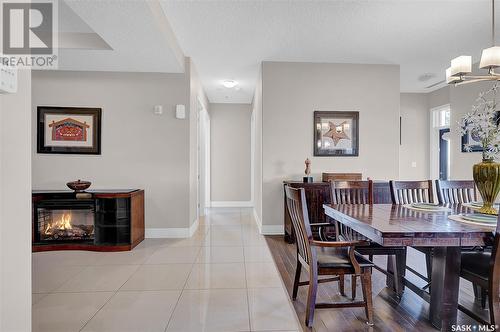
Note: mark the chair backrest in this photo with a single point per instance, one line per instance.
(352, 192)
(408, 192)
(456, 191)
(327, 177)
(297, 208)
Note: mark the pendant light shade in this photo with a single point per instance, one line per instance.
(490, 58)
(461, 65)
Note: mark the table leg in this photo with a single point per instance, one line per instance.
(445, 287)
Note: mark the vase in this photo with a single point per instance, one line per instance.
(487, 179)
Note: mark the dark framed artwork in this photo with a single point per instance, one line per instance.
(474, 140)
(336, 134)
(68, 130)
(475, 143)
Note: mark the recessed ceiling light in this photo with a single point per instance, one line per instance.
(229, 84)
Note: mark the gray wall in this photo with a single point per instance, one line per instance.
(139, 149)
(230, 152)
(293, 91)
(414, 148)
(15, 207)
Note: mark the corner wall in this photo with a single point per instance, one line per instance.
(15, 207)
(293, 91)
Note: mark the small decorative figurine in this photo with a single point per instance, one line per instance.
(308, 178)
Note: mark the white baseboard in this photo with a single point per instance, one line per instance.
(257, 220)
(272, 230)
(231, 204)
(181, 232)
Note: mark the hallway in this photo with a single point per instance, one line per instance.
(223, 278)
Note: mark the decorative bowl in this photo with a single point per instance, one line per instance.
(79, 185)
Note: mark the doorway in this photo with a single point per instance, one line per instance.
(440, 142)
(444, 154)
(203, 156)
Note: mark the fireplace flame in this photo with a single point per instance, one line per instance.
(62, 224)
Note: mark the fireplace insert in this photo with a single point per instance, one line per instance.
(64, 221)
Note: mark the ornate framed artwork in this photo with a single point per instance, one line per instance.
(336, 134)
(68, 130)
(472, 141)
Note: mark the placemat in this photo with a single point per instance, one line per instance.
(459, 218)
(437, 209)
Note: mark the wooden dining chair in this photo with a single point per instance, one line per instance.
(408, 192)
(361, 192)
(483, 268)
(454, 192)
(321, 258)
(328, 176)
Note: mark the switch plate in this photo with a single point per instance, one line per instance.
(414, 164)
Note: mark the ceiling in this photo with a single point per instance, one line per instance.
(125, 36)
(229, 39)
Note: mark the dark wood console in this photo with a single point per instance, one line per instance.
(96, 220)
(318, 193)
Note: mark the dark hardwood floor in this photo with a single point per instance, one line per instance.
(410, 314)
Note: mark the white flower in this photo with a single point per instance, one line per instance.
(481, 123)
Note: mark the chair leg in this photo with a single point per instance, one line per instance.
(396, 275)
(353, 286)
(484, 293)
(298, 270)
(341, 285)
(401, 266)
(370, 258)
(311, 299)
(366, 283)
(428, 265)
(494, 305)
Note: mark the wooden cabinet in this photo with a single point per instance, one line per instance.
(318, 193)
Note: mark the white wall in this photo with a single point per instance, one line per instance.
(15, 207)
(230, 152)
(139, 149)
(196, 94)
(414, 148)
(461, 100)
(257, 153)
(293, 91)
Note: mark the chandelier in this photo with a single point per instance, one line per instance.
(461, 67)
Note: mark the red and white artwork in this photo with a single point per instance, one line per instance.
(68, 130)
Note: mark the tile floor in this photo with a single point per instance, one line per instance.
(223, 278)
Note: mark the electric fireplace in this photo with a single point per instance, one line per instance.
(95, 220)
(65, 221)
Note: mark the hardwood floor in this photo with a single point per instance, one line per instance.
(410, 314)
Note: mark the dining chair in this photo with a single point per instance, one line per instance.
(483, 268)
(327, 177)
(454, 192)
(409, 192)
(320, 258)
(361, 192)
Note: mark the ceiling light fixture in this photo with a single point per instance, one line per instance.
(229, 84)
(461, 67)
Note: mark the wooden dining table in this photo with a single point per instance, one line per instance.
(397, 225)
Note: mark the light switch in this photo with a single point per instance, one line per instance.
(414, 164)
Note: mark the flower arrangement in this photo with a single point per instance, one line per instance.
(482, 124)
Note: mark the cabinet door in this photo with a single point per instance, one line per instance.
(112, 221)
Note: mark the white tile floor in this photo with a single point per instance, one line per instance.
(223, 278)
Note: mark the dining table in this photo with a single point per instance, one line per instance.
(393, 225)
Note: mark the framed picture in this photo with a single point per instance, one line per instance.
(336, 134)
(475, 142)
(69, 130)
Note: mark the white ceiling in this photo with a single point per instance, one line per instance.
(228, 39)
(131, 35)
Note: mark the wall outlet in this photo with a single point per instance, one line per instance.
(414, 164)
(8, 79)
